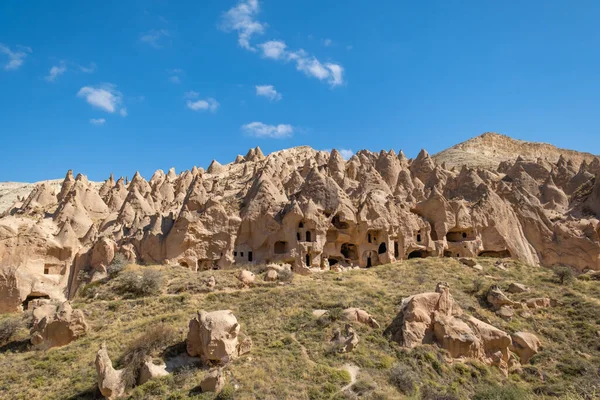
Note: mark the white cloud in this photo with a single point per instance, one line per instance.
(155, 37)
(258, 129)
(274, 49)
(174, 79)
(123, 112)
(203, 105)
(191, 94)
(346, 153)
(15, 58)
(327, 42)
(268, 91)
(242, 18)
(56, 71)
(88, 70)
(175, 75)
(97, 121)
(105, 97)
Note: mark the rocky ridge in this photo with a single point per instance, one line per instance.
(310, 209)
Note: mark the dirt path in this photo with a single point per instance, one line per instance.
(353, 371)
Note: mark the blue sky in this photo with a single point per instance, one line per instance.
(120, 86)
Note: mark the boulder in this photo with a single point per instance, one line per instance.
(517, 288)
(110, 381)
(345, 341)
(538, 302)
(526, 345)
(358, 315)
(211, 282)
(506, 313)
(149, 371)
(214, 337)
(57, 326)
(497, 299)
(213, 381)
(246, 277)
(271, 275)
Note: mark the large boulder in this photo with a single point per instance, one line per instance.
(246, 277)
(497, 299)
(57, 326)
(358, 315)
(214, 336)
(150, 370)
(526, 345)
(213, 381)
(345, 341)
(434, 318)
(110, 380)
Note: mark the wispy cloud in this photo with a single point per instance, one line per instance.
(56, 71)
(15, 58)
(242, 19)
(345, 153)
(87, 70)
(258, 129)
(327, 42)
(97, 121)
(105, 97)
(155, 37)
(268, 91)
(175, 75)
(123, 112)
(208, 104)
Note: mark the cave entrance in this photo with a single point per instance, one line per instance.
(369, 264)
(418, 254)
(396, 249)
(349, 251)
(249, 256)
(332, 261)
(280, 247)
(382, 248)
(307, 259)
(34, 296)
(308, 236)
(460, 235)
(335, 221)
(495, 254)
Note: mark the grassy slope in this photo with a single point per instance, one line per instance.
(292, 357)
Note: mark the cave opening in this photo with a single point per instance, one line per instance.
(382, 248)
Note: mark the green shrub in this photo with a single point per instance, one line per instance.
(149, 283)
(286, 275)
(227, 393)
(117, 265)
(497, 392)
(8, 328)
(564, 274)
(404, 378)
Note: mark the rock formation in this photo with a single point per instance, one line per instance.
(55, 326)
(345, 341)
(214, 336)
(309, 209)
(434, 317)
(110, 380)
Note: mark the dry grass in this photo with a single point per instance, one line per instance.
(292, 357)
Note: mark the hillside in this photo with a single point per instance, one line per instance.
(490, 149)
(292, 356)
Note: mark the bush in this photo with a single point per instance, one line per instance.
(156, 338)
(148, 284)
(227, 393)
(403, 377)
(286, 275)
(564, 274)
(117, 265)
(8, 329)
(496, 392)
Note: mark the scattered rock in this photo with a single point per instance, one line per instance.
(213, 381)
(57, 326)
(517, 288)
(526, 345)
(469, 262)
(246, 277)
(110, 381)
(271, 275)
(214, 336)
(506, 313)
(538, 302)
(149, 371)
(497, 299)
(345, 341)
(211, 282)
(358, 315)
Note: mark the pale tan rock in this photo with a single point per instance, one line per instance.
(110, 381)
(271, 275)
(246, 277)
(150, 370)
(213, 381)
(214, 336)
(517, 288)
(345, 341)
(497, 299)
(526, 345)
(57, 326)
(358, 315)
(538, 302)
